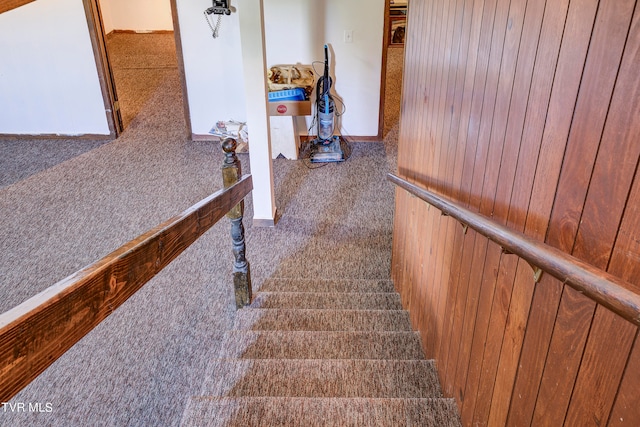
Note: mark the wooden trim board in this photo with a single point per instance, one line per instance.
(7, 5)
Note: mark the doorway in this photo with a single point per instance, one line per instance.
(395, 19)
(140, 62)
(135, 51)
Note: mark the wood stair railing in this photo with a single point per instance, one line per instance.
(610, 291)
(37, 332)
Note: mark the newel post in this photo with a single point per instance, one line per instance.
(231, 173)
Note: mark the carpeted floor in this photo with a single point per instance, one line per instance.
(141, 365)
(392, 104)
(137, 367)
(393, 90)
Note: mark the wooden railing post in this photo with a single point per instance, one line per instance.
(231, 173)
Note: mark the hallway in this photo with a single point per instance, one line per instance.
(140, 62)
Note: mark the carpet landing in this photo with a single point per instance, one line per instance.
(321, 353)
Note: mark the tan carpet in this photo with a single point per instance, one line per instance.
(347, 363)
(160, 352)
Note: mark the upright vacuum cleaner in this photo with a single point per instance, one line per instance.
(326, 147)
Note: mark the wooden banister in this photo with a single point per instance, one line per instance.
(610, 291)
(37, 332)
(7, 5)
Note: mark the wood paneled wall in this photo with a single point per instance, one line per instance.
(527, 111)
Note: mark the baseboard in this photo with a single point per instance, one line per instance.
(303, 138)
(140, 32)
(263, 223)
(205, 137)
(87, 136)
(348, 138)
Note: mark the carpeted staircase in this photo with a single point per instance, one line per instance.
(321, 353)
(308, 352)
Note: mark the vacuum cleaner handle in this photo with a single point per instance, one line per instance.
(326, 61)
(324, 82)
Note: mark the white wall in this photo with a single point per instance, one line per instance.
(48, 76)
(213, 67)
(296, 31)
(106, 11)
(255, 82)
(136, 15)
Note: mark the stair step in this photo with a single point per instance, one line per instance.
(336, 301)
(325, 285)
(321, 345)
(321, 378)
(259, 319)
(334, 412)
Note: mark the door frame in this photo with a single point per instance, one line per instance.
(386, 43)
(105, 73)
(383, 71)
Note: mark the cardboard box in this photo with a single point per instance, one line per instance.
(290, 108)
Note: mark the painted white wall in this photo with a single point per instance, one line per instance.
(136, 15)
(254, 60)
(213, 67)
(107, 15)
(295, 31)
(48, 76)
(47, 61)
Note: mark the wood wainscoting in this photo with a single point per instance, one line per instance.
(526, 112)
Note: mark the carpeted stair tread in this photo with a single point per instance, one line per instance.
(321, 300)
(321, 345)
(325, 285)
(321, 378)
(258, 319)
(333, 412)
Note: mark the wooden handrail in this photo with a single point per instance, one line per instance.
(610, 291)
(7, 5)
(37, 332)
